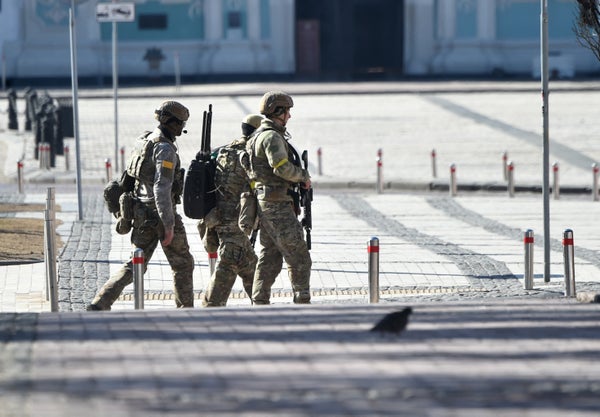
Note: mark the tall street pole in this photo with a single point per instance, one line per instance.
(546, 141)
(74, 88)
(115, 97)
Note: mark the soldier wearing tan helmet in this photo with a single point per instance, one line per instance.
(275, 170)
(155, 165)
(220, 231)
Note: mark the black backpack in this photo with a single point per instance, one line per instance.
(199, 191)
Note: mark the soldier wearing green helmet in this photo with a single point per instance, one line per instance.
(220, 230)
(155, 166)
(274, 171)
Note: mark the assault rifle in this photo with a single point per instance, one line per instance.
(199, 195)
(306, 197)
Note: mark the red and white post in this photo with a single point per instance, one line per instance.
(569, 258)
(528, 242)
(379, 171)
(212, 261)
(138, 278)
(20, 175)
(511, 179)
(108, 167)
(122, 153)
(373, 251)
(320, 161)
(505, 165)
(556, 186)
(67, 158)
(453, 186)
(433, 164)
(595, 170)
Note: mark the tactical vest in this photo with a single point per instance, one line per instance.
(139, 165)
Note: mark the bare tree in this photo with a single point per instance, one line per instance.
(587, 26)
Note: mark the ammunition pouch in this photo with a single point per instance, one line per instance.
(127, 205)
(177, 188)
(145, 217)
(123, 226)
(296, 200)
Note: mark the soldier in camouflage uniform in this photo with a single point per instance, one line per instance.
(236, 254)
(275, 170)
(155, 165)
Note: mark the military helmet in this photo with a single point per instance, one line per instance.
(169, 109)
(272, 100)
(253, 120)
(250, 123)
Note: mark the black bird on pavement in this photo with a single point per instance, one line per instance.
(393, 322)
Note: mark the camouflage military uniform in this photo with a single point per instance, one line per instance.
(236, 254)
(157, 188)
(281, 236)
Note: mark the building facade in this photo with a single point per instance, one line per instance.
(321, 39)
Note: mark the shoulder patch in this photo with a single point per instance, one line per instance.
(167, 164)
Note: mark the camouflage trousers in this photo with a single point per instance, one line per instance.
(146, 237)
(281, 238)
(236, 257)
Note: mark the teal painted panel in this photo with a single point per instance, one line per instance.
(184, 21)
(520, 20)
(53, 12)
(517, 20)
(466, 19)
(265, 20)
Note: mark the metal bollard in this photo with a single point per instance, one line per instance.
(108, 166)
(556, 186)
(373, 251)
(569, 259)
(67, 158)
(50, 250)
(138, 278)
(505, 165)
(379, 171)
(20, 175)
(453, 186)
(122, 152)
(44, 155)
(595, 182)
(528, 275)
(320, 161)
(433, 164)
(212, 261)
(511, 179)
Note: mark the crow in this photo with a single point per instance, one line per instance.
(393, 322)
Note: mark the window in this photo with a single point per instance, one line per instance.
(152, 21)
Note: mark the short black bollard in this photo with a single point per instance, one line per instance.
(13, 123)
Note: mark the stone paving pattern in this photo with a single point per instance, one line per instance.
(477, 344)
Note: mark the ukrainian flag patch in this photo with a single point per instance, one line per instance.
(167, 164)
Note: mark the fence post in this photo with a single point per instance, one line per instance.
(569, 259)
(50, 250)
(108, 167)
(556, 187)
(320, 161)
(212, 261)
(122, 151)
(379, 171)
(595, 182)
(511, 179)
(20, 175)
(138, 278)
(528, 241)
(373, 251)
(67, 158)
(453, 186)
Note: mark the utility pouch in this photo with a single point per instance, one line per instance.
(127, 205)
(248, 212)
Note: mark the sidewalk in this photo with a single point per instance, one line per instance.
(478, 344)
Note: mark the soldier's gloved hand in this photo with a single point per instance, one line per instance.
(306, 185)
(168, 237)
